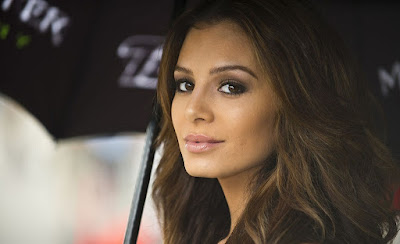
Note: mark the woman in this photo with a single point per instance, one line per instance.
(266, 133)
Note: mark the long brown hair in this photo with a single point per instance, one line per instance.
(328, 180)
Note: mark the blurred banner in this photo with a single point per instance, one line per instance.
(83, 67)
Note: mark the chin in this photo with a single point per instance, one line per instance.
(198, 173)
(202, 172)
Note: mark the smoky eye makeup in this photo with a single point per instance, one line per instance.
(232, 87)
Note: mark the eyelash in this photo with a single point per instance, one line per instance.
(242, 89)
(180, 82)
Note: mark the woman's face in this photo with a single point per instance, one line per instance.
(223, 111)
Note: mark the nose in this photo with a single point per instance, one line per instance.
(199, 107)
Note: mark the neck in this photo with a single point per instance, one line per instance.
(236, 193)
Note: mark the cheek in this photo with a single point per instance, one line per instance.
(178, 120)
(258, 134)
(266, 128)
(175, 114)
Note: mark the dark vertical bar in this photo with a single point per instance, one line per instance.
(142, 184)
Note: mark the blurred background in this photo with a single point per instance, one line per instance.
(70, 191)
(77, 82)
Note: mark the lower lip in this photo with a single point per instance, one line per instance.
(198, 147)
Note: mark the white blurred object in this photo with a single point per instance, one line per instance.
(74, 191)
(26, 178)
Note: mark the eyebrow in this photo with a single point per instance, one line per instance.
(219, 69)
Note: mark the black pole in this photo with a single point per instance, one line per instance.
(142, 184)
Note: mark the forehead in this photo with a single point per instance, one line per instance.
(223, 42)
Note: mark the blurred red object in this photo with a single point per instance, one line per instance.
(114, 234)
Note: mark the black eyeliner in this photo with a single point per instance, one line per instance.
(234, 83)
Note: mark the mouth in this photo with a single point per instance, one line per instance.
(196, 143)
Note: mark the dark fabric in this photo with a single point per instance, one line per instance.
(74, 86)
(369, 28)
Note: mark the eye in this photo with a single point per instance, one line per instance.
(232, 88)
(184, 86)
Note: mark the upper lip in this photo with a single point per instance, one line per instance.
(201, 138)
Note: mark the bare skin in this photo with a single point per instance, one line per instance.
(236, 194)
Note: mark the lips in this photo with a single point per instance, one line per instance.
(197, 143)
